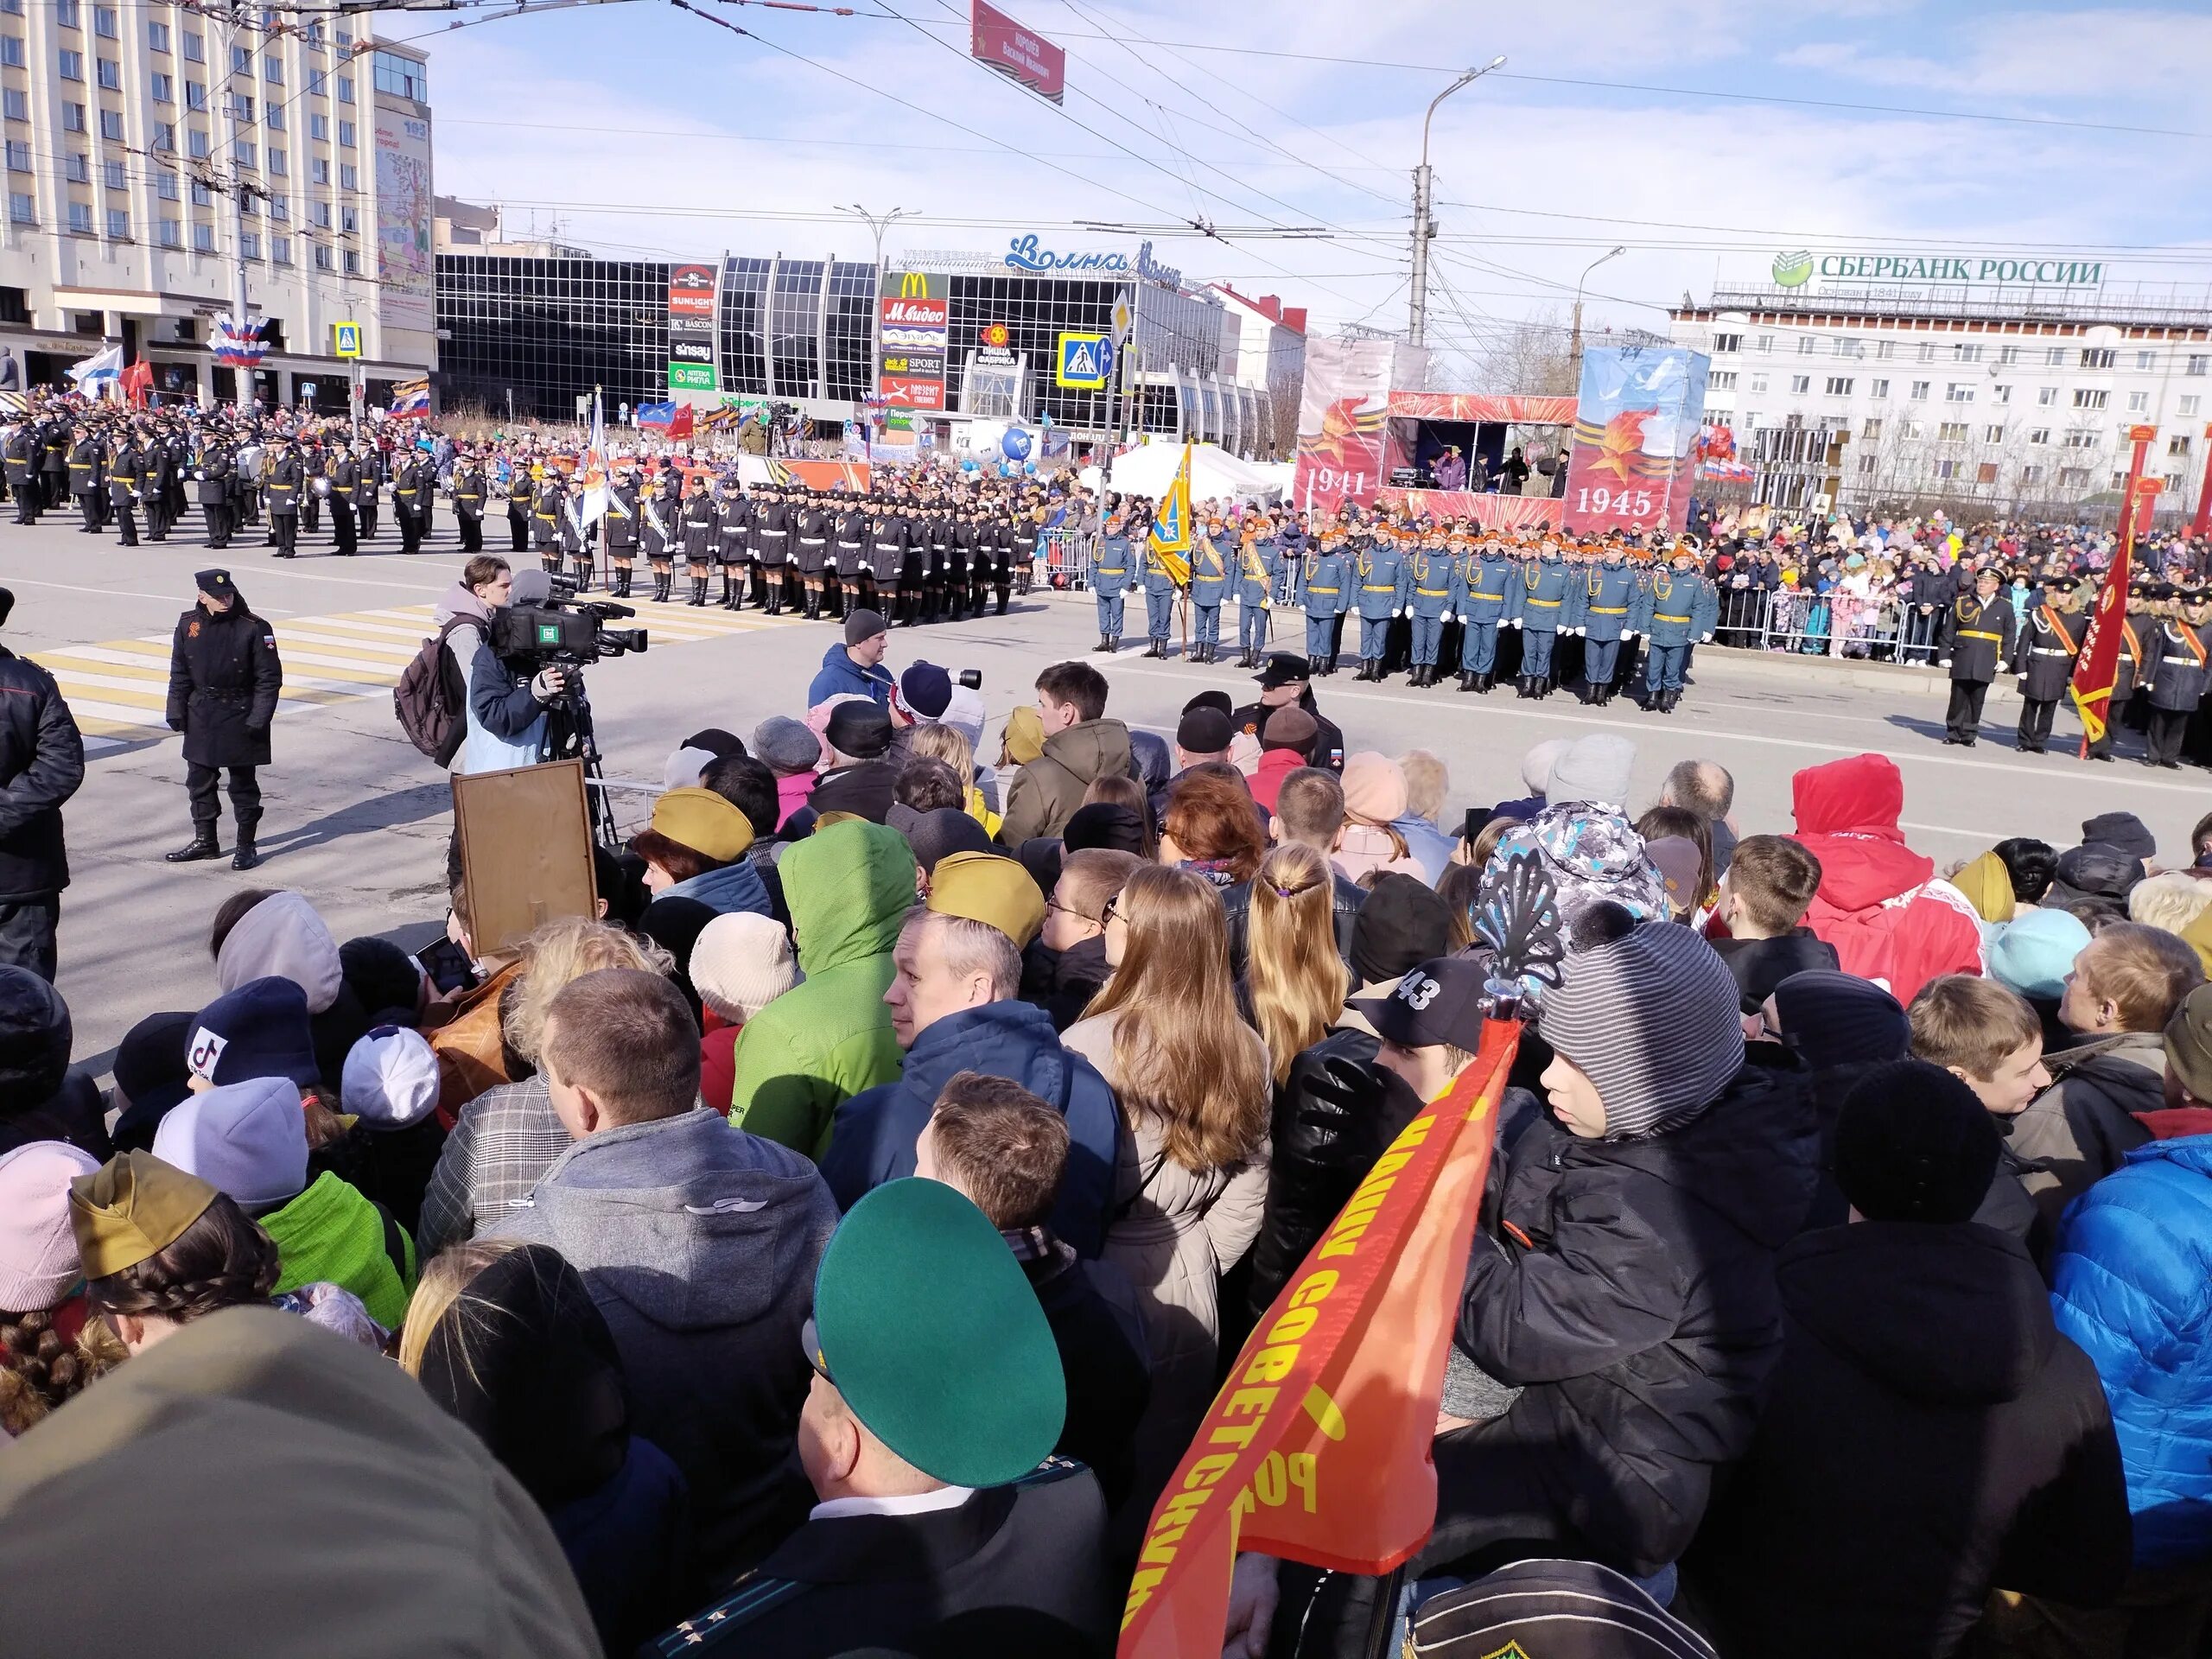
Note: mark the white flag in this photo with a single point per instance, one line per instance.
(593, 473)
(100, 374)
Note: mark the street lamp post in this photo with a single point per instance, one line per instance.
(1424, 226)
(1574, 336)
(878, 223)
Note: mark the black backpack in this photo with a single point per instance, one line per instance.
(431, 699)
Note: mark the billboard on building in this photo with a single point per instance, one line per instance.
(1341, 418)
(405, 271)
(693, 353)
(1636, 420)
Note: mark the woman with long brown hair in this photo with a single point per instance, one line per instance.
(1211, 826)
(1296, 980)
(1192, 1079)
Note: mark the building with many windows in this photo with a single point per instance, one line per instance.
(961, 335)
(152, 148)
(2009, 398)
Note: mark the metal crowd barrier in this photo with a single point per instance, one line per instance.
(1821, 625)
(1067, 559)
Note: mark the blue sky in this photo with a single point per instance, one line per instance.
(647, 129)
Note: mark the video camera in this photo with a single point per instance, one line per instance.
(561, 631)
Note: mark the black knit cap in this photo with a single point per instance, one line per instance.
(1914, 1143)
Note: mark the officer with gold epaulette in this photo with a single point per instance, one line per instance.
(1975, 641)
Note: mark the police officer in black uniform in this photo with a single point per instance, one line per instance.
(518, 504)
(211, 477)
(21, 456)
(848, 549)
(412, 482)
(225, 677)
(284, 476)
(344, 474)
(812, 524)
(123, 475)
(771, 549)
(734, 552)
(157, 483)
(469, 490)
(2175, 674)
(1974, 641)
(87, 481)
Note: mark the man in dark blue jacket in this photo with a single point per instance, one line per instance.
(952, 1009)
(42, 764)
(856, 666)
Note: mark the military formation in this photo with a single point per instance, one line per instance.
(1533, 609)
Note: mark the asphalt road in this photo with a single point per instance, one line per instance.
(358, 820)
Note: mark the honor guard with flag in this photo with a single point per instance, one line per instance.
(1259, 567)
(1110, 579)
(2101, 717)
(1974, 642)
(2175, 675)
(2043, 659)
(1210, 567)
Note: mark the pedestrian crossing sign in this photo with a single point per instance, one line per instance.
(1086, 362)
(347, 339)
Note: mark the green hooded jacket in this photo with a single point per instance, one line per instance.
(849, 887)
(330, 1231)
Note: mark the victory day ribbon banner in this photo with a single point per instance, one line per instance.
(1317, 1448)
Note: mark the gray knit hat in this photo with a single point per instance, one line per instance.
(1652, 1019)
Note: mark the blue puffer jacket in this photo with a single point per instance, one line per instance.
(872, 1138)
(733, 887)
(2132, 1285)
(841, 675)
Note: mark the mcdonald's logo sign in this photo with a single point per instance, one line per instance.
(914, 285)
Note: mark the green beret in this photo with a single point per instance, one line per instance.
(927, 1326)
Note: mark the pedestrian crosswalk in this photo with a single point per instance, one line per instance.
(118, 689)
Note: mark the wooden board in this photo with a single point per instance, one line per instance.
(525, 850)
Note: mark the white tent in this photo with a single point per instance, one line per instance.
(1215, 473)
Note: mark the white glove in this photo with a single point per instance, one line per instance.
(1576, 631)
(1465, 618)
(1704, 638)
(1514, 623)
(1943, 662)
(200, 478)
(1409, 611)
(1629, 633)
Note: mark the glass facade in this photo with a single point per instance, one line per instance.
(543, 331)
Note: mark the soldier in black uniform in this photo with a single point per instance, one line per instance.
(1974, 642)
(617, 530)
(702, 533)
(772, 549)
(811, 528)
(224, 681)
(840, 586)
(21, 454)
(122, 472)
(366, 485)
(211, 477)
(913, 569)
(1006, 541)
(85, 479)
(733, 516)
(314, 472)
(468, 489)
(413, 480)
(284, 476)
(2044, 659)
(519, 493)
(545, 519)
(345, 475)
(157, 482)
(53, 450)
(573, 538)
(2176, 674)
(663, 511)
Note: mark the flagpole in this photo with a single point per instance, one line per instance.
(2111, 607)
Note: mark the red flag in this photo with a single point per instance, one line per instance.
(137, 382)
(680, 426)
(2098, 665)
(1317, 1448)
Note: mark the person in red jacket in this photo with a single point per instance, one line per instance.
(1879, 903)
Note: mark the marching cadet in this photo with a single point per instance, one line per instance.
(1324, 577)
(811, 527)
(1110, 578)
(934, 601)
(617, 530)
(54, 462)
(123, 475)
(367, 488)
(1259, 567)
(1432, 596)
(1605, 604)
(848, 547)
(545, 518)
(412, 482)
(663, 514)
(1483, 574)
(344, 476)
(314, 484)
(2176, 675)
(21, 454)
(1379, 582)
(887, 556)
(734, 519)
(1676, 608)
(1974, 641)
(702, 528)
(467, 489)
(520, 490)
(211, 475)
(85, 482)
(2135, 630)
(1210, 567)
(771, 547)
(1159, 590)
(287, 477)
(224, 678)
(979, 558)
(1011, 541)
(914, 570)
(2043, 659)
(1539, 603)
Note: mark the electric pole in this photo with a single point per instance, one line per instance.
(1424, 226)
(226, 34)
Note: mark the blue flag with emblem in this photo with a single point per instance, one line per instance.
(1171, 525)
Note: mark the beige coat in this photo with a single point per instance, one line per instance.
(1174, 1232)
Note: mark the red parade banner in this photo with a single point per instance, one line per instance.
(2098, 667)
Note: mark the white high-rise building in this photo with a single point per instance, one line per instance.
(2015, 396)
(152, 148)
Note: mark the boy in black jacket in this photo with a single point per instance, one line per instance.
(1770, 886)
